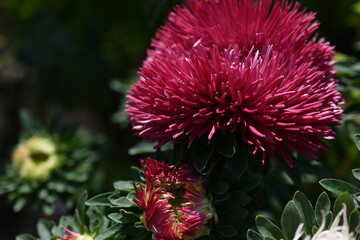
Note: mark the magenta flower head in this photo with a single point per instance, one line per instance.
(174, 202)
(252, 67)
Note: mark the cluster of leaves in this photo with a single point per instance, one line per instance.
(79, 151)
(90, 221)
(300, 211)
(228, 179)
(124, 213)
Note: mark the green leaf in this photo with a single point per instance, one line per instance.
(142, 148)
(124, 185)
(338, 186)
(238, 163)
(290, 220)
(137, 174)
(237, 199)
(121, 202)
(344, 198)
(27, 121)
(99, 200)
(357, 140)
(356, 173)
(109, 232)
(354, 220)
(19, 204)
(25, 237)
(306, 211)
(322, 207)
(252, 235)
(233, 215)
(44, 229)
(80, 209)
(225, 144)
(219, 187)
(201, 153)
(226, 231)
(268, 229)
(248, 183)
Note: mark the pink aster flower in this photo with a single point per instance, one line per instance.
(75, 236)
(245, 66)
(174, 202)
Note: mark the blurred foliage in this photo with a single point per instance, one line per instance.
(86, 220)
(76, 150)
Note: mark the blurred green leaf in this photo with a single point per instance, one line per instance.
(100, 200)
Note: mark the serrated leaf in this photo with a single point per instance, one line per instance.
(338, 186)
(225, 144)
(267, 228)
(226, 231)
(252, 235)
(306, 211)
(99, 200)
(323, 204)
(290, 220)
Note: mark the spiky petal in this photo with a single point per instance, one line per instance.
(241, 66)
(174, 202)
(75, 236)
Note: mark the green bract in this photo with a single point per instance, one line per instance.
(51, 164)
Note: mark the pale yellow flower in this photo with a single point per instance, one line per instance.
(36, 158)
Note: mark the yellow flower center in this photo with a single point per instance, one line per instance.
(36, 158)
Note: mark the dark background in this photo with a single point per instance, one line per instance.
(65, 55)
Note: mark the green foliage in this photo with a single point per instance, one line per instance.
(339, 186)
(86, 220)
(122, 211)
(79, 151)
(300, 211)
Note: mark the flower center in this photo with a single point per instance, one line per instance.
(39, 157)
(178, 192)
